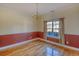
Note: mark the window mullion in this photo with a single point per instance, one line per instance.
(52, 26)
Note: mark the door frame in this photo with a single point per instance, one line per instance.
(61, 29)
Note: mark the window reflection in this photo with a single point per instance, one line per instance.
(53, 52)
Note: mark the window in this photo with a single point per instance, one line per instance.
(53, 28)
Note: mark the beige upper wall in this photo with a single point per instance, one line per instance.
(13, 22)
(71, 19)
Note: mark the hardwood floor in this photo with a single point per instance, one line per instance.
(39, 48)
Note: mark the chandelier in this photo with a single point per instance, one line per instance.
(37, 14)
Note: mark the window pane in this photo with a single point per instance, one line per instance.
(56, 26)
(49, 30)
(49, 24)
(55, 30)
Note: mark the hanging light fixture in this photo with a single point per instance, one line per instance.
(37, 11)
(36, 15)
(52, 13)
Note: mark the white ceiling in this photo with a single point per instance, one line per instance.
(30, 8)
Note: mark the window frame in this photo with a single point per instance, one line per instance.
(61, 29)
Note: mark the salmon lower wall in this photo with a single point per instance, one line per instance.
(72, 40)
(40, 34)
(16, 38)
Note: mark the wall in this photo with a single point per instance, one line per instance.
(71, 24)
(16, 38)
(13, 22)
(16, 27)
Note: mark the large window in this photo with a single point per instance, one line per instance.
(53, 28)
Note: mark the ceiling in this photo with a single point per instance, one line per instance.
(43, 8)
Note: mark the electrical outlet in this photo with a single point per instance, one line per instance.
(67, 42)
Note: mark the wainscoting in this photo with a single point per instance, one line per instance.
(20, 37)
(70, 40)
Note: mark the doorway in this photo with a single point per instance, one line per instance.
(54, 30)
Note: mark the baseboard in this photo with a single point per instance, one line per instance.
(61, 45)
(17, 44)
